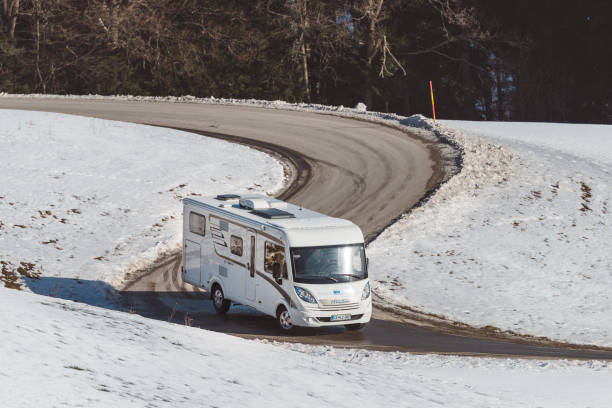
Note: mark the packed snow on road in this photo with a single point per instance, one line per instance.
(519, 240)
(89, 199)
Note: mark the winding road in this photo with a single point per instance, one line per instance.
(347, 168)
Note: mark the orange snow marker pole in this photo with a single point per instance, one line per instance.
(433, 107)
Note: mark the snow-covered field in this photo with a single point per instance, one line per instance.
(59, 353)
(88, 198)
(519, 240)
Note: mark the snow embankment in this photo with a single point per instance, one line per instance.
(89, 198)
(519, 240)
(107, 358)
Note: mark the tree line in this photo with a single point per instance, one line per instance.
(495, 60)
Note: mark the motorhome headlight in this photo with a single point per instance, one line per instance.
(305, 295)
(366, 291)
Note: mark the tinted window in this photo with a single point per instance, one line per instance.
(197, 223)
(236, 245)
(275, 254)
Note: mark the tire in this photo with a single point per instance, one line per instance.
(220, 303)
(283, 318)
(355, 326)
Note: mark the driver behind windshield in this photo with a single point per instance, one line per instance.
(317, 263)
(314, 263)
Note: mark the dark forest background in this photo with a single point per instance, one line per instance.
(528, 60)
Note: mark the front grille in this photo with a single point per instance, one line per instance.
(340, 306)
(327, 319)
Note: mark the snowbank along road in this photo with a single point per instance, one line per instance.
(352, 169)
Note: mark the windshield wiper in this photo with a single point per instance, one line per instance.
(314, 278)
(352, 275)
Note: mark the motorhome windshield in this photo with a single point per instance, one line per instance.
(329, 264)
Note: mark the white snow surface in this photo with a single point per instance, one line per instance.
(62, 353)
(519, 240)
(90, 199)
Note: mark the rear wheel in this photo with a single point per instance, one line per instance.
(220, 303)
(283, 318)
(354, 327)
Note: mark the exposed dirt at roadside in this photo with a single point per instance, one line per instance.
(11, 274)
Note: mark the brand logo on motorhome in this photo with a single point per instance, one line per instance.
(336, 292)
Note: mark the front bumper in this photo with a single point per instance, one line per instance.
(321, 318)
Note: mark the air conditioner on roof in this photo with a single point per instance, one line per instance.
(254, 203)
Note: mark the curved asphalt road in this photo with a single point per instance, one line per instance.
(365, 172)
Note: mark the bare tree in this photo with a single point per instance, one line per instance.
(37, 12)
(454, 24)
(296, 14)
(10, 11)
(373, 13)
(317, 32)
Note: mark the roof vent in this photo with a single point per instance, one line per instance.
(272, 213)
(254, 203)
(227, 197)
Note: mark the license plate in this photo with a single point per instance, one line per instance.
(339, 317)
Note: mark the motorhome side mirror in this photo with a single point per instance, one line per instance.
(276, 272)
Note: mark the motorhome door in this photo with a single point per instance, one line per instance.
(191, 272)
(250, 276)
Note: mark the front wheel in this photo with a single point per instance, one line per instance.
(355, 326)
(220, 303)
(283, 318)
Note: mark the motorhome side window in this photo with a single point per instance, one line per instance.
(236, 245)
(197, 223)
(275, 253)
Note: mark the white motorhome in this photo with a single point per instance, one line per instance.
(299, 266)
